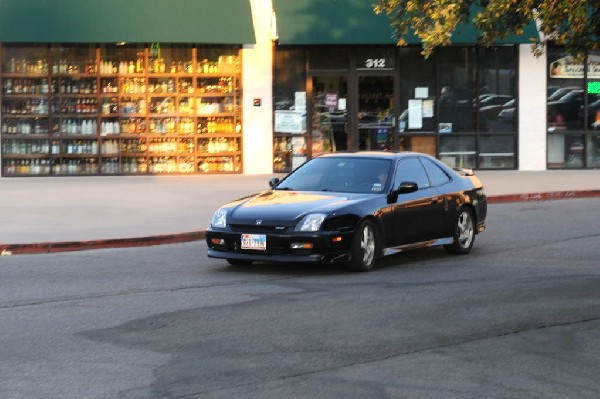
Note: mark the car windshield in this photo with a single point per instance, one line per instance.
(340, 174)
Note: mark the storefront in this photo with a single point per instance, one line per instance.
(337, 67)
(256, 86)
(573, 110)
(116, 87)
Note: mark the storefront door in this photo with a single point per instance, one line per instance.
(329, 115)
(375, 116)
(355, 115)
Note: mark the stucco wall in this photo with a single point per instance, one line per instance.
(532, 110)
(257, 84)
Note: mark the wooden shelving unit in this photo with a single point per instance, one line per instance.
(68, 111)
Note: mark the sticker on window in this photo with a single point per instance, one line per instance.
(377, 187)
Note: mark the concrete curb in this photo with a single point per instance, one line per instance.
(71, 246)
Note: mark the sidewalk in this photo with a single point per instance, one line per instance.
(71, 213)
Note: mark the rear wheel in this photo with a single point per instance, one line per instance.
(364, 248)
(239, 262)
(464, 233)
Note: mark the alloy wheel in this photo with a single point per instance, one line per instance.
(465, 229)
(367, 244)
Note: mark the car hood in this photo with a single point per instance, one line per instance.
(286, 208)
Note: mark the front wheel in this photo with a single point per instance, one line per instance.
(464, 233)
(364, 248)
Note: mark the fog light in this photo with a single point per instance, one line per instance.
(336, 239)
(217, 241)
(301, 245)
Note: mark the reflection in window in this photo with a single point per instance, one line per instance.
(289, 77)
(496, 104)
(573, 109)
(565, 150)
(458, 151)
(593, 151)
(497, 151)
(565, 91)
(411, 170)
(457, 90)
(593, 90)
(436, 175)
(417, 86)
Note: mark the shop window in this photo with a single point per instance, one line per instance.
(25, 59)
(593, 151)
(86, 109)
(289, 103)
(458, 151)
(565, 91)
(457, 89)
(593, 90)
(573, 109)
(417, 92)
(289, 77)
(497, 152)
(118, 58)
(496, 93)
(566, 151)
(329, 116)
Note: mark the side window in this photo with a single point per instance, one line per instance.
(435, 173)
(411, 170)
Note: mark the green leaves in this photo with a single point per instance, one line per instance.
(574, 24)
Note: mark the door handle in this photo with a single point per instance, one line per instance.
(435, 200)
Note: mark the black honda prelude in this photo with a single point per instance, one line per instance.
(352, 208)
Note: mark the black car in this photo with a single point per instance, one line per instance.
(352, 208)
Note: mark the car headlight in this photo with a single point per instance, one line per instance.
(219, 218)
(311, 222)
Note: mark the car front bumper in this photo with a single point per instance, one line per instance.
(327, 246)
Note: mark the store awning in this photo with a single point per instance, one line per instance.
(310, 22)
(133, 21)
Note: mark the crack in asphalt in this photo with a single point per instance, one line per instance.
(74, 298)
(395, 355)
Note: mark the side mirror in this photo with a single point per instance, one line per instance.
(273, 182)
(405, 187)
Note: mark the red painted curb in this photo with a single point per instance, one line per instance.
(71, 246)
(542, 196)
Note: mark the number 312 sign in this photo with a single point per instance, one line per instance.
(375, 63)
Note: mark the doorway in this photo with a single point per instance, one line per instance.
(351, 113)
(375, 116)
(329, 115)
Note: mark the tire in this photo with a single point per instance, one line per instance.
(464, 233)
(364, 248)
(239, 262)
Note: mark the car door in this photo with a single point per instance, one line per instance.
(417, 216)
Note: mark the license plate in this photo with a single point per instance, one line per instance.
(254, 241)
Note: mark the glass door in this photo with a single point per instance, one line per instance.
(329, 114)
(375, 112)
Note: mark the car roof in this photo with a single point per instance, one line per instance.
(373, 154)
